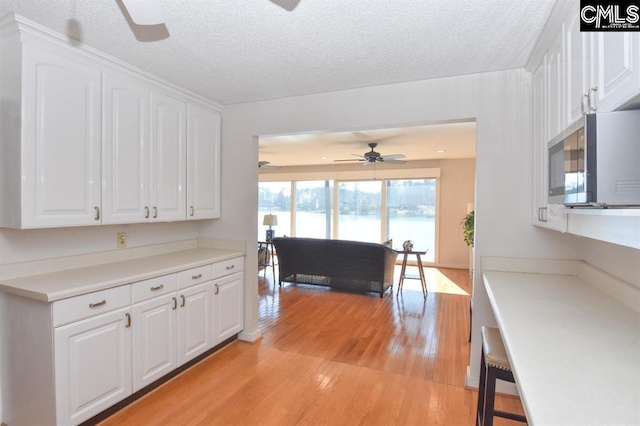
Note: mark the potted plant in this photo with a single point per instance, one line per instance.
(468, 227)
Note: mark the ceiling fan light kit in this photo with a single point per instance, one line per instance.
(144, 12)
(373, 156)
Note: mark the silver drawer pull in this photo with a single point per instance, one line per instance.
(159, 287)
(195, 277)
(231, 267)
(95, 305)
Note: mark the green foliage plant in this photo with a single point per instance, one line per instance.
(468, 224)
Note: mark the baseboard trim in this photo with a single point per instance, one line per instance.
(250, 336)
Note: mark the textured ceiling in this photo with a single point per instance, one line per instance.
(233, 51)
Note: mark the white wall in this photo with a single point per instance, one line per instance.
(500, 103)
(32, 244)
(621, 262)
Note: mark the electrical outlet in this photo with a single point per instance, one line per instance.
(121, 240)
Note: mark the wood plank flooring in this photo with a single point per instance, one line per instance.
(334, 358)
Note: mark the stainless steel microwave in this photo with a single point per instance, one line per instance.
(596, 162)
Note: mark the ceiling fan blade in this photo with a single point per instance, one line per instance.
(392, 157)
(337, 161)
(144, 12)
(366, 163)
(395, 161)
(267, 165)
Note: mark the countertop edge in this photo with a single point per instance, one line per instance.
(97, 285)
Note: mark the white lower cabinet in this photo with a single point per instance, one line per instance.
(92, 365)
(154, 335)
(228, 295)
(72, 359)
(194, 322)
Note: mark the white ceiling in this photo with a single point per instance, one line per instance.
(235, 51)
(416, 143)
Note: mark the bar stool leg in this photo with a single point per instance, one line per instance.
(489, 397)
(481, 392)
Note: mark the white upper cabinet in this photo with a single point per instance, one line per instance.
(88, 140)
(545, 215)
(144, 153)
(580, 73)
(578, 70)
(168, 158)
(602, 69)
(203, 160)
(125, 152)
(617, 68)
(555, 81)
(51, 165)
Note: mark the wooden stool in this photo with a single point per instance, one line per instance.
(494, 365)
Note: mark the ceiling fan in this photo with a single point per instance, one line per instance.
(149, 12)
(373, 156)
(267, 165)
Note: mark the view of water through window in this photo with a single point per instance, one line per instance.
(410, 207)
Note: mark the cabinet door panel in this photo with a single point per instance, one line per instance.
(578, 62)
(194, 322)
(125, 159)
(92, 366)
(154, 337)
(554, 88)
(227, 308)
(168, 158)
(203, 163)
(61, 144)
(618, 61)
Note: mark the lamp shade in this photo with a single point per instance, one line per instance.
(270, 220)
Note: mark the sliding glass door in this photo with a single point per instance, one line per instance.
(274, 198)
(313, 208)
(370, 211)
(411, 214)
(359, 211)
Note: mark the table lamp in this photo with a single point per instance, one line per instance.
(270, 220)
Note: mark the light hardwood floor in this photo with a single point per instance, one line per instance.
(334, 358)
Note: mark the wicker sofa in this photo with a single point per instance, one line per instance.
(347, 265)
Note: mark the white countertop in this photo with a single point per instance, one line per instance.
(574, 350)
(73, 282)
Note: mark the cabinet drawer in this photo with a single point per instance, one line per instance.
(143, 290)
(227, 267)
(194, 276)
(88, 305)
